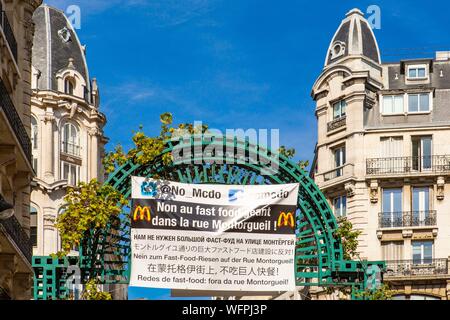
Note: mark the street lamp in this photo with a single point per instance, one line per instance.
(6, 209)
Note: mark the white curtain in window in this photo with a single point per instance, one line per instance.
(392, 251)
(391, 147)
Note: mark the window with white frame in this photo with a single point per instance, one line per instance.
(340, 206)
(34, 132)
(422, 252)
(69, 86)
(70, 172)
(393, 104)
(70, 139)
(419, 102)
(339, 157)
(417, 72)
(339, 109)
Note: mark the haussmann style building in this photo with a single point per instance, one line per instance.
(66, 127)
(16, 39)
(383, 156)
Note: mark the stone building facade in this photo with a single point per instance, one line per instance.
(66, 123)
(66, 127)
(382, 157)
(16, 38)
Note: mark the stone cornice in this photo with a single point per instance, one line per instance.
(49, 187)
(42, 99)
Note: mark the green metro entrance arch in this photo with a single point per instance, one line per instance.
(319, 252)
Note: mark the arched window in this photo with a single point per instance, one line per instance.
(34, 132)
(33, 226)
(70, 139)
(34, 142)
(69, 86)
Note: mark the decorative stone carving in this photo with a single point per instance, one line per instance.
(49, 118)
(370, 99)
(337, 50)
(70, 65)
(73, 109)
(94, 132)
(434, 232)
(49, 221)
(440, 186)
(350, 189)
(374, 191)
(64, 34)
(407, 233)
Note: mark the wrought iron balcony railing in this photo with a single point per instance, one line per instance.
(9, 34)
(342, 171)
(407, 165)
(18, 235)
(420, 267)
(407, 219)
(71, 148)
(337, 123)
(9, 109)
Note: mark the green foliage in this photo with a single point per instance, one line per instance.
(87, 207)
(91, 292)
(382, 293)
(349, 238)
(146, 148)
(290, 153)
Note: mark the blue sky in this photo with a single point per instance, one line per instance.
(231, 63)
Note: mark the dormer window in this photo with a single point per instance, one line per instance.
(417, 72)
(69, 86)
(337, 50)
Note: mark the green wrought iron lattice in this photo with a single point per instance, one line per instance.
(319, 253)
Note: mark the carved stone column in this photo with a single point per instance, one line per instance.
(50, 234)
(94, 133)
(8, 264)
(48, 147)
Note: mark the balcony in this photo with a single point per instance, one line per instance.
(407, 219)
(339, 172)
(337, 123)
(8, 32)
(412, 268)
(71, 149)
(14, 120)
(15, 231)
(408, 165)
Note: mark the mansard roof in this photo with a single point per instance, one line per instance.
(56, 47)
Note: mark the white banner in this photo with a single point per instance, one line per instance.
(213, 237)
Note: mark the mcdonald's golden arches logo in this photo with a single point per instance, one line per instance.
(286, 219)
(141, 213)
